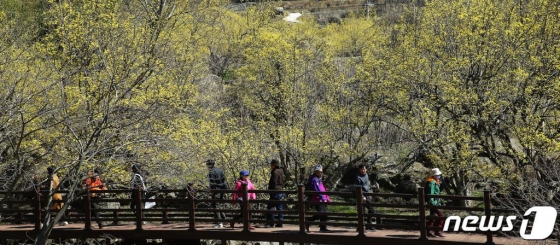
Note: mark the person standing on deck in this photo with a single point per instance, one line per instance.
(93, 183)
(138, 180)
(276, 182)
(238, 196)
(316, 184)
(217, 180)
(362, 179)
(57, 197)
(432, 188)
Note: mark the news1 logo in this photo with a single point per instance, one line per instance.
(543, 223)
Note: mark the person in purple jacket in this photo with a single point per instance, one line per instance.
(319, 199)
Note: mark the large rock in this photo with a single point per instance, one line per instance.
(407, 187)
(386, 184)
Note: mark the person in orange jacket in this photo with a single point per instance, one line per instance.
(94, 183)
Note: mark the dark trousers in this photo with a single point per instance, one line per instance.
(432, 222)
(321, 217)
(94, 213)
(239, 216)
(218, 214)
(53, 213)
(368, 205)
(133, 203)
(277, 206)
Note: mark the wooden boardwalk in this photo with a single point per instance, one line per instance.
(190, 218)
(288, 233)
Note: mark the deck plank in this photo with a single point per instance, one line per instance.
(205, 231)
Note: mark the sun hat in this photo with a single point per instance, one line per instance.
(435, 171)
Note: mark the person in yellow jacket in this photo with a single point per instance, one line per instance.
(57, 197)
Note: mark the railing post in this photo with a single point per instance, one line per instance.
(301, 209)
(87, 203)
(488, 212)
(165, 217)
(139, 214)
(116, 217)
(38, 208)
(245, 207)
(190, 206)
(422, 211)
(360, 208)
(20, 217)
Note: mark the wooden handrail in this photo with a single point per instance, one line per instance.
(488, 212)
(87, 208)
(139, 208)
(245, 207)
(301, 209)
(454, 197)
(174, 212)
(38, 208)
(422, 211)
(191, 207)
(360, 209)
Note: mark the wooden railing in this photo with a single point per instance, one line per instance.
(194, 208)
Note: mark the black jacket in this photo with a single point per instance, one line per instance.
(276, 181)
(217, 179)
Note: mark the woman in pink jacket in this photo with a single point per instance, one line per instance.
(238, 195)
